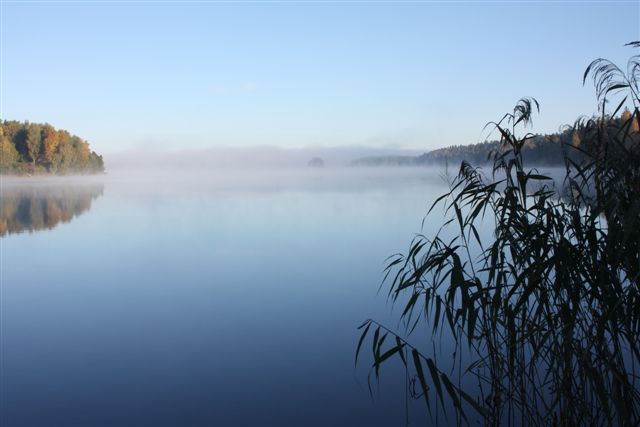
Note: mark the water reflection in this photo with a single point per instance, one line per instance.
(228, 302)
(31, 208)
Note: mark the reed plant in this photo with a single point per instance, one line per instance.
(543, 313)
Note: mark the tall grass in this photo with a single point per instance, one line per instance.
(544, 315)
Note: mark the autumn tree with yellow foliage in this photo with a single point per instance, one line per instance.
(30, 148)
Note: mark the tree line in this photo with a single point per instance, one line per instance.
(540, 150)
(33, 148)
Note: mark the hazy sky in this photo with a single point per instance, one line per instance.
(192, 75)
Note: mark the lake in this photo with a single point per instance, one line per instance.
(216, 299)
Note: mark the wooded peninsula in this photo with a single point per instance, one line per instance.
(38, 149)
(538, 150)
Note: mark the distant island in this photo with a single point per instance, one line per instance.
(541, 150)
(32, 148)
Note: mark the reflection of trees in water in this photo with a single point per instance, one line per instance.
(30, 208)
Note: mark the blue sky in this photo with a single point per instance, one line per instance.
(386, 74)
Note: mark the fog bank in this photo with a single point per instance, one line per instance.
(256, 157)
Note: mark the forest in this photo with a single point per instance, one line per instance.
(37, 149)
(539, 150)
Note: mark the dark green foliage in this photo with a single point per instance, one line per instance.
(33, 142)
(546, 318)
(540, 150)
(28, 148)
(9, 156)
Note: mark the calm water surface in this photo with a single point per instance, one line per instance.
(228, 300)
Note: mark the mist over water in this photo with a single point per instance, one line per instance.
(242, 158)
(206, 298)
